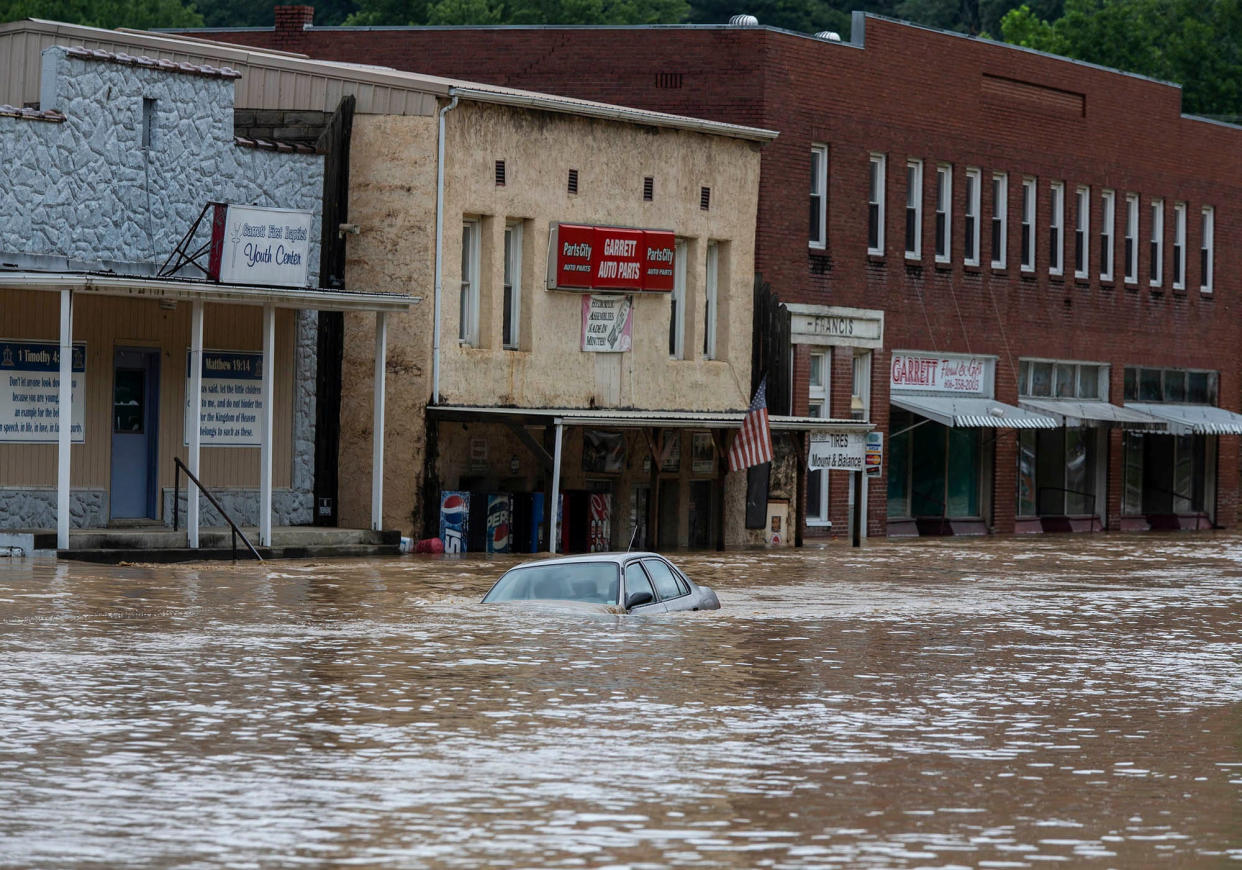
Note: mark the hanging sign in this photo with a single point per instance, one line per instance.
(943, 373)
(610, 258)
(873, 459)
(837, 450)
(607, 323)
(232, 410)
(30, 392)
(266, 246)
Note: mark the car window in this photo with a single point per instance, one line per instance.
(591, 582)
(636, 580)
(665, 580)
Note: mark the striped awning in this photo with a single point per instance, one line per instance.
(973, 412)
(1072, 412)
(1193, 419)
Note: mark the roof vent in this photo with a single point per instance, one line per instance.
(743, 20)
(828, 36)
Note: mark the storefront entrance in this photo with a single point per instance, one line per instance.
(1168, 478)
(135, 425)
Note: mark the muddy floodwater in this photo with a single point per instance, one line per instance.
(951, 703)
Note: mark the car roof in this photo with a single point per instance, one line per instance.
(616, 558)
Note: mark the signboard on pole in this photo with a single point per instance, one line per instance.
(842, 451)
(610, 258)
(30, 392)
(266, 246)
(873, 459)
(232, 396)
(607, 323)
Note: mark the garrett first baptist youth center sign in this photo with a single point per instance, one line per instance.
(265, 246)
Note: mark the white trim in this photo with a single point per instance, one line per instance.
(377, 421)
(64, 409)
(468, 292)
(914, 203)
(820, 393)
(265, 449)
(513, 268)
(974, 204)
(1056, 225)
(944, 212)
(1108, 230)
(1207, 246)
(1030, 223)
(677, 304)
(1000, 219)
(875, 200)
(711, 297)
(1156, 242)
(194, 437)
(1082, 227)
(819, 179)
(1131, 237)
(1179, 246)
(553, 512)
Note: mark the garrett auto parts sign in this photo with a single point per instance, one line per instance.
(610, 258)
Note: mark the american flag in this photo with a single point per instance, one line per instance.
(753, 444)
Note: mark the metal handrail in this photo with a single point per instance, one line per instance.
(181, 466)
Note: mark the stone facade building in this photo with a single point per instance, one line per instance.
(106, 180)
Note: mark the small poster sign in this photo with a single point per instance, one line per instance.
(607, 323)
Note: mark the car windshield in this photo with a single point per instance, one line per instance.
(590, 582)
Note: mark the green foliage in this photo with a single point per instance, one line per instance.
(142, 14)
(1197, 43)
(482, 12)
(255, 13)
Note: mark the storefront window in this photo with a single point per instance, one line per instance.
(933, 470)
(1132, 460)
(963, 477)
(1170, 385)
(899, 422)
(1041, 379)
(1164, 474)
(1026, 472)
(1057, 472)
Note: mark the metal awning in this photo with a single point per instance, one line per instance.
(973, 412)
(616, 418)
(1072, 412)
(1193, 419)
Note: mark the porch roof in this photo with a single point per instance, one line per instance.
(638, 418)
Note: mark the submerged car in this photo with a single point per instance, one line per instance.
(627, 582)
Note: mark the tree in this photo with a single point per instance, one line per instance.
(483, 12)
(141, 14)
(1196, 43)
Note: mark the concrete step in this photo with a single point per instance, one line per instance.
(115, 556)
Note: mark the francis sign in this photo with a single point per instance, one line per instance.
(610, 258)
(265, 246)
(30, 392)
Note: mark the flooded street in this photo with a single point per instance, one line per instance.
(982, 703)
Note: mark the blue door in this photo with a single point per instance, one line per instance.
(135, 428)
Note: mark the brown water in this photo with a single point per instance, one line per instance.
(987, 703)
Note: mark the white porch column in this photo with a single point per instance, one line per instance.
(553, 531)
(265, 451)
(377, 422)
(194, 407)
(64, 410)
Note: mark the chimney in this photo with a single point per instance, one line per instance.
(291, 21)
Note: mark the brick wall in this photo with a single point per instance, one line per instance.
(910, 92)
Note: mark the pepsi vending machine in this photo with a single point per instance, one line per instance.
(454, 520)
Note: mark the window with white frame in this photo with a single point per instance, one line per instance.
(677, 304)
(510, 330)
(970, 225)
(914, 209)
(875, 206)
(710, 311)
(468, 311)
(817, 406)
(944, 211)
(1207, 257)
(1108, 222)
(1179, 246)
(1000, 213)
(1132, 224)
(1156, 244)
(1056, 228)
(1082, 225)
(1028, 225)
(819, 196)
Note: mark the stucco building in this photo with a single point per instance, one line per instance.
(1048, 243)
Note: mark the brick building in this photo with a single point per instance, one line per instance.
(1015, 265)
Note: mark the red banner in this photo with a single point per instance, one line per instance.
(611, 258)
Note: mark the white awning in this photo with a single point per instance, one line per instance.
(630, 418)
(1193, 419)
(1078, 413)
(973, 412)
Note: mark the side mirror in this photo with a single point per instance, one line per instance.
(638, 599)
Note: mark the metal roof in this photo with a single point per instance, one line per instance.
(631, 418)
(1193, 419)
(1079, 413)
(973, 412)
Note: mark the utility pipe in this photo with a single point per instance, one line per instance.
(439, 288)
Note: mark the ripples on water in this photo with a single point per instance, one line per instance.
(990, 703)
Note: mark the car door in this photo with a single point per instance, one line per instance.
(670, 588)
(636, 580)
